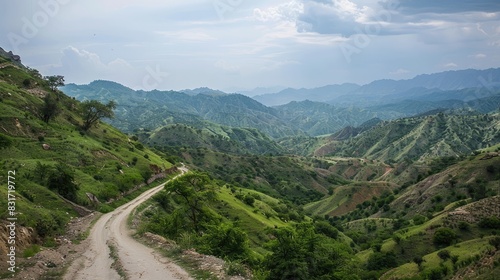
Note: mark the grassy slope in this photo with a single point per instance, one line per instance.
(99, 153)
(212, 136)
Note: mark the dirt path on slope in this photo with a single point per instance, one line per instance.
(135, 259)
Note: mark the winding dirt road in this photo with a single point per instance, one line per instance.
(138, 261)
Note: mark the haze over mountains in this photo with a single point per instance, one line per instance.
(310, 112)
(385, 91)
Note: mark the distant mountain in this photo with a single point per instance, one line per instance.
(317, 118)
(153, 109)
(389, 91)
(202, 90)
(260, 91)
(321, 94)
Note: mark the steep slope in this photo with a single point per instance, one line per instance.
(56, 162)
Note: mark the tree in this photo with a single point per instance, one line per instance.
(495, 241)
(444, 236)
(93, 111)
(41, 172)
(54, 81)
(5, 141)
(226, 241)
(444, 254)
(379, 260)
(61, 180)
(301, 253)
(50, 109)
(193, 191)
(418, 260)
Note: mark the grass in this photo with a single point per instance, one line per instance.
(31, 251)
(116, 265)
(466, 251)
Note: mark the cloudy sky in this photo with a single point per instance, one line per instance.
(243, 44)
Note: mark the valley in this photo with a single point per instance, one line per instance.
(404, 184)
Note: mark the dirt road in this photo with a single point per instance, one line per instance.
(138, 261)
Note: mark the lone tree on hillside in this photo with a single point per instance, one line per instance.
(62, 181)
(93, 111)
(50, 109)
(54, 81)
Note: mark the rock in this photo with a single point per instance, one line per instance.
(46, 146)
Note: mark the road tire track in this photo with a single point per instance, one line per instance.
(136, 260)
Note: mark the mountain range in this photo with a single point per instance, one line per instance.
(401, 190)
(389, 91)
(337, 106)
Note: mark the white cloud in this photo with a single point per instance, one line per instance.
(287, 11)
(81, 66)
(450, 65)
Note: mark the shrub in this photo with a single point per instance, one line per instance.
(378, 261)
(444, 236)
(444, 254)
(226, 240)
(418, 260)
(419, 219)
(495, 241)
(248, 199)
(463, 225)
(327, 229)
(5, 141)
(61, 180)
(490, 222)
(235, 269)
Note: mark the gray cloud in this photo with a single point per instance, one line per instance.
(448, 6)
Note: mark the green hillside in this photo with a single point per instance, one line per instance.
(419, 138)
(213, 137)
(55, 161)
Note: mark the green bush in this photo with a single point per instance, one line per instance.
(495, 241)
(444, 236)
(444, 254)
(419, 219)
(248, 199)
(378, 261)
(61, 180)
(5, 141)
(490, 222)
(226, 241)
(234, 268)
